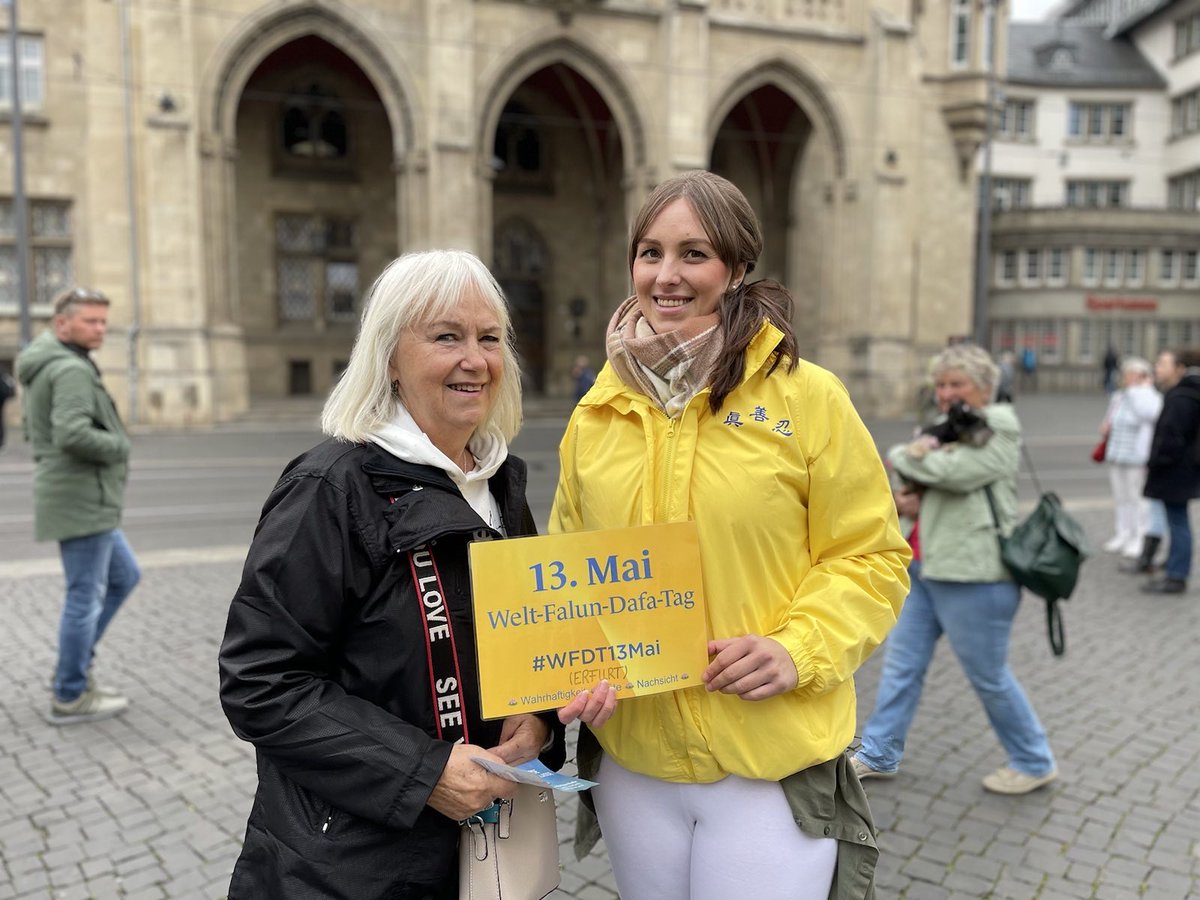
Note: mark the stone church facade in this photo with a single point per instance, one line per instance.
(283, 152)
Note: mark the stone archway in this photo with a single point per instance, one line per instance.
(556, 153)
(262, 55)
(775, 134)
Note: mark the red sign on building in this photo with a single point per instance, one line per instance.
(1125, 304)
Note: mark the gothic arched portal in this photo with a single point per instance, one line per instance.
(557, 158)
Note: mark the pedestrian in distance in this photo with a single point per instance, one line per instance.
(1004, 390)
(1173, 468)
(81, 459)
(584, 375)
(960, 586)
(8, 390)
(1128, 426)
(1110, 366)
(365, 760)
(739, 786)
(1029, 364)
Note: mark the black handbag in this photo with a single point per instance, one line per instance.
(1043, 554)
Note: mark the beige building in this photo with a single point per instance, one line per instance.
(1096, 186)
(283, 151)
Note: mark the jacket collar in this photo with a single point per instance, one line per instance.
(416, 517)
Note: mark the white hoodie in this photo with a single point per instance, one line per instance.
(405, 440)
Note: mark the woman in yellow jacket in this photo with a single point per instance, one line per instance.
(705, 412)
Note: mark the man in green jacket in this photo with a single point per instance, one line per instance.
(81, 451)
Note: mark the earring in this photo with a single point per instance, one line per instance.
(396, 388)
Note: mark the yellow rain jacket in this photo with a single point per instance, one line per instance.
(798, 540)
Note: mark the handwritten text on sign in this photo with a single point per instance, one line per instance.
(558, 613)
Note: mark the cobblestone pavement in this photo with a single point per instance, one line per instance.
(153, 804)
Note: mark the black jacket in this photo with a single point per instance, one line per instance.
(324, 670)
(1173, 469)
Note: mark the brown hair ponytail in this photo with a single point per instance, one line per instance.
(742, 314)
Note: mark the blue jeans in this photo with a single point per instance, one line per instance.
(1179, 556)
(1158, 518)
(977, 618)
(101, 572)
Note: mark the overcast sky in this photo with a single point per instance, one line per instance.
(1029, 10)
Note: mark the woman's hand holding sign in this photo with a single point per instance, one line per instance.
(751, 666)
(521, 739)
(594, 707)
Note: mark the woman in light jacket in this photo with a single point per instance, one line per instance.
(1129, 426)
(959, 584)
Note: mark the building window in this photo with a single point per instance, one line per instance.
(49, 264)
(1191, 276)
(1015, 121)
(1183, 191)
(1046, 337)
(1097, 193)
(1091, 266)
(1133, 268)
(1006, 272)
(313, 124)
(33, 74)
(1187, 35)
(519, 149)
(1011, 193)
(1112, 267)
(1004, 337)
(1032, 273)
(1168, 274)
(317, 268)
(960, 33)
(1099, 122)
(1056, 266)
(1185, 113)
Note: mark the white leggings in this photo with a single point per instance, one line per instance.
(731, 838)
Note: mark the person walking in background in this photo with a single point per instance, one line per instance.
(584, 375)
(960, 586)
(81, 457)
(8, 390)
(1029, 363)
(739, 786)
(1173, 468)
(328, 662)
(1129, 425)
(1004, 390)
(1109, 367)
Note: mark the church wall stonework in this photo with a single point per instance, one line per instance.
(874, 219)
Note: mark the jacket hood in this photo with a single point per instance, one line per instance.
(404, 439)
(41, 352)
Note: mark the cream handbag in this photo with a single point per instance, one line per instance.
(510, 850)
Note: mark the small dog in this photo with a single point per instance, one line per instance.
(963, 425)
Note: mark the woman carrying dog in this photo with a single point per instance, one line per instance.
(959, 584)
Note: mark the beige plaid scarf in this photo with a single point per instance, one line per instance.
(669, 368)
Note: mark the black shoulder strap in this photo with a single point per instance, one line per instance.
(445, 678)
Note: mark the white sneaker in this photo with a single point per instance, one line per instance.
(1010, 781)
(1132, 548)
(90, 706)
(862, 770)
(1115, 543)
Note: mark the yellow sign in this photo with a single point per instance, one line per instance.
(556, 614)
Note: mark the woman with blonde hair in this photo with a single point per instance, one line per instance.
(356, 589)
(967, 495)
(1129, 426)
